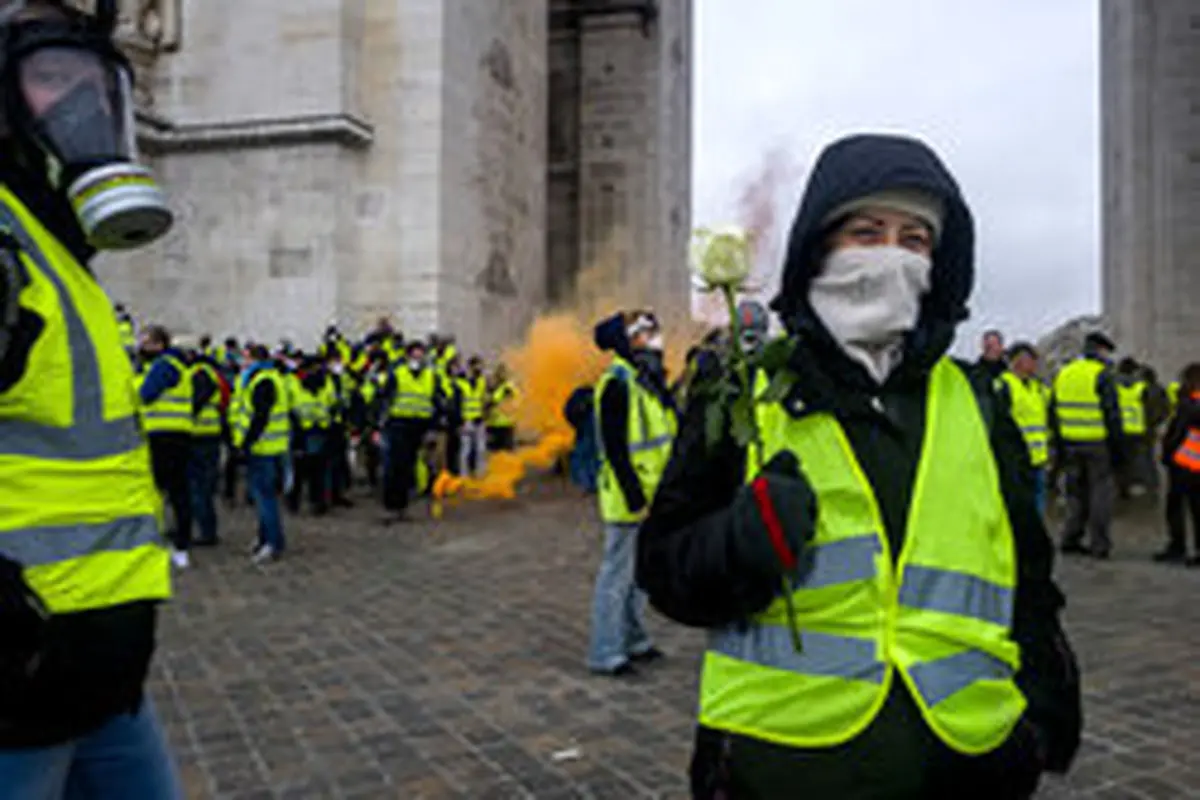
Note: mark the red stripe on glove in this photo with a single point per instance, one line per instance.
(762, 498)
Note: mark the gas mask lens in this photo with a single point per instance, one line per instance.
(80, 108)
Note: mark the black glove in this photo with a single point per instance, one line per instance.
(774, 517)
(22, 623)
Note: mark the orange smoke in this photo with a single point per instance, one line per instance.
(556, 357)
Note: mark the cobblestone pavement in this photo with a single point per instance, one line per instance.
(446, 661)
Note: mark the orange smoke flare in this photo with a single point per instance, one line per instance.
(557, 357)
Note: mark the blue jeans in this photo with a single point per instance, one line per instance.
(204, 466)
(618, 606)
(124, 759)
(1039, 489)
(262, 475)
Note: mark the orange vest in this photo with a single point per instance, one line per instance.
(1188, 454)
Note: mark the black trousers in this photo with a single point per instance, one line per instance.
(310, 465)
(404, 439)
(169, 456)
(501, 438)
(1183, 490)
(339, 461)
(372, 459)
(453, 448)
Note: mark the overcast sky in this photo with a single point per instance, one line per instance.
(1005, 90)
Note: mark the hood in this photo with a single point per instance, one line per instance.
(865, 164)
(610, 336)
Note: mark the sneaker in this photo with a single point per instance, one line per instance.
(623, 670)
(648, 656)
(180, 559)
(263, 555)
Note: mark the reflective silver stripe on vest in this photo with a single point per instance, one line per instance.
(824, 654)
(41, 545)
(841, 561)
(650, 444)
(89, 436)
(958, 593)
(937, 680)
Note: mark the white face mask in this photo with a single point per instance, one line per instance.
(415, 364)
(655, 342)
(868, 298)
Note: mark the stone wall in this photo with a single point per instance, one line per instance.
(493, 262)
(340, 160)
(1150, 92)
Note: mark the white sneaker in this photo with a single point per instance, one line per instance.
(263, 554)
(180, 559)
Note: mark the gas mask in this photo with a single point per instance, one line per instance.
(68, 105)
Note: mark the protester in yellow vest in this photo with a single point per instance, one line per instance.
(1132, 396)
(875, 580)
(472, 454)
(635, 418)
(503, 399)
(1028, 400)
(128, 330)
(341, 391)
(313, 407)
(209, 401)
(1088, 436)
(261, 432)
(166, 396)
(413, 398)
(82, 562)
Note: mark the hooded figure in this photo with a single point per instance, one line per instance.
(885, 453)
(636, 422)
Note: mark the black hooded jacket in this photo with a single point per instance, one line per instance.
(693, 567)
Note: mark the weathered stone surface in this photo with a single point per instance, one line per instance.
(332, 159)
(447, 661)
(1150, 109)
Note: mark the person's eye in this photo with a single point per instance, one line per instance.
(863, 233)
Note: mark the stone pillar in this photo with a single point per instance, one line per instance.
(1150, 68)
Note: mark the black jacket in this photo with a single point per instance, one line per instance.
(1186, 416)
(690, 566)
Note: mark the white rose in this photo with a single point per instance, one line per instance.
(721, 256)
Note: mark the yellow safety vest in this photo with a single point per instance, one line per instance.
(78, 505)
(1173, 395)
(208, 421)
(939, 618)
(1077, 402)
(1133, 411)
(414, 395)
(171, 412)
(651, 430)
(127, 333)
(473, 392)
(274, 438)
(503, 397)
(1031, 413)
(311, 408)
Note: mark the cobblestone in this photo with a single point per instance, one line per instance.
(446, 661)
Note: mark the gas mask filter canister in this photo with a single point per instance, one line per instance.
(74, 114)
